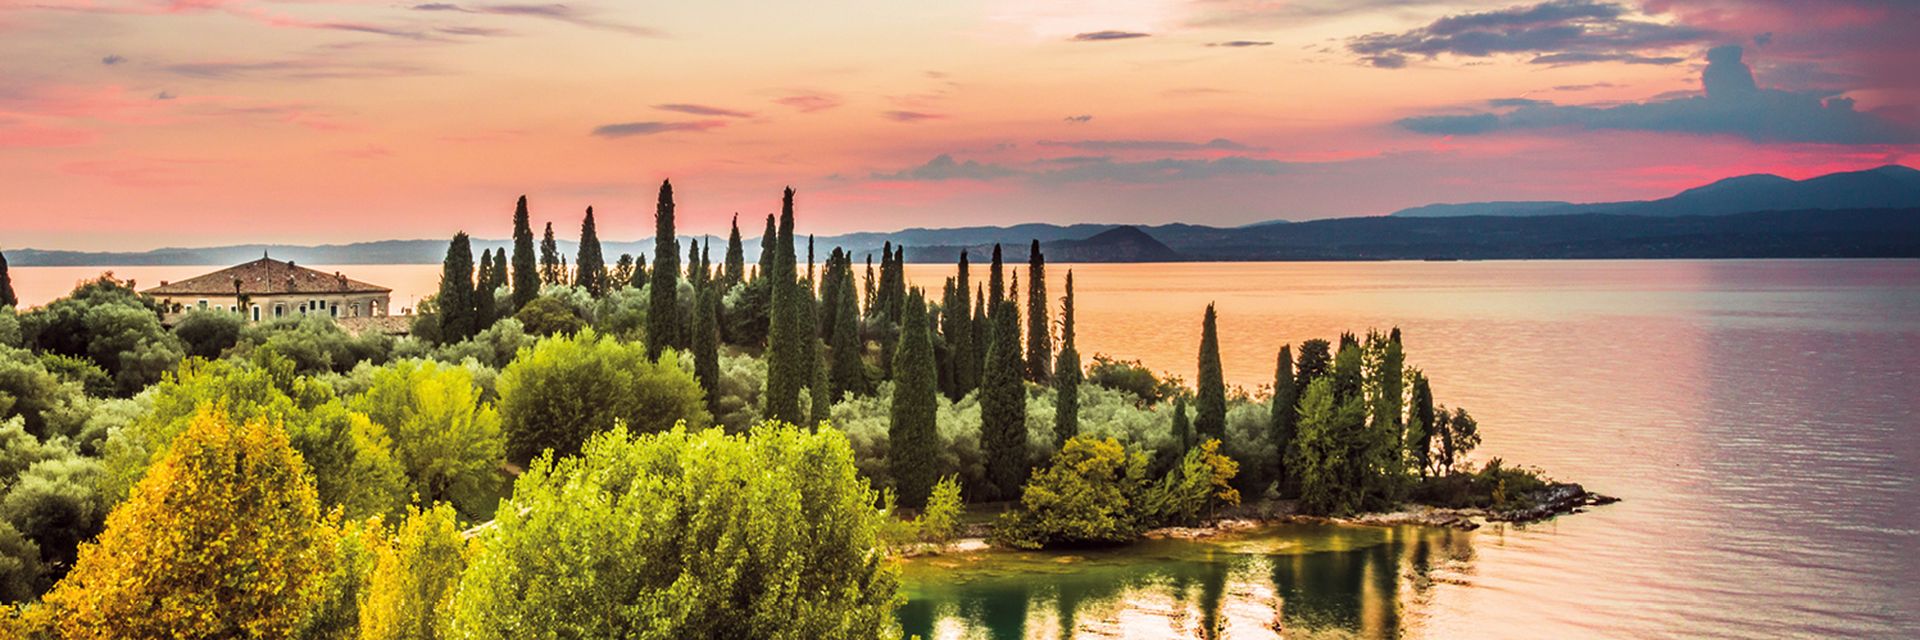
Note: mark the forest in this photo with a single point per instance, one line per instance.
(648, 446)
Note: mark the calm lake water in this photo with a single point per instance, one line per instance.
(1757, 417)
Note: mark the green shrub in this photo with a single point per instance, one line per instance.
(1087, 495)
(565, 389)
(547, 316)
(685, 534)
(1132, 377)
(208, 333)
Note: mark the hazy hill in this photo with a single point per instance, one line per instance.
(1891, 186)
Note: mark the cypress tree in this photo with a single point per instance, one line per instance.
(1283, 425)
(735, 270)
(526, 281)
(943, 349)
(849, 370)
(7, 297)
(483, 311)
(1039, 328)
(663, 305)
(498, 278)
(768, 242)
(957, 325)
(867, 286)
(1003, 407)
(591, 267)
(1422, 421)
(996, 282)
(790, 335)
(1066, 375)
(694, 275)
(706, 342)
(640, 275)
(1210, 401)
(455, 301)
(830, 297)
(979, 325)
(550, 270)
(1182, 429)
(913, 437)
(820, 389)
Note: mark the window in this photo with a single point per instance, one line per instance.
(279, 310)
(256, 313)
(203, 305)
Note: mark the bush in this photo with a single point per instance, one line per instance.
(446, 438)
(940, 521)
(208, 333)
(546, 316)
(1494, 486)
(494, 347)
(30, 392)
(1086, 495)
(21, 575)
(565, 389)
(1203, 480)
(1132, 377)
(221, 540)
(349, 455)
(316, 344)
(686, 535)
(106, 321)
(410, 592)
(54, 504)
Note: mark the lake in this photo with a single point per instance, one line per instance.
(1757, 418)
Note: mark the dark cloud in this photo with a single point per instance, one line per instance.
(627, 129)
(1763, 39)
(557, 12)
(1733, 104)
(1101, 146)
(912, 116)
(1557, 32)
(810, 102)
(1080, 118)
(1073, 169)
(1573, 58)
(1240, 43)
(702, 110)
(163, 95)
(293, 69)
(1097, 36)
(1162, 170)
(944, 167)
(112, 60)
(1516, 102)
(479, 32)
(1584, 87)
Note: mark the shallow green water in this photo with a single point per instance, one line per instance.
(1305, 580)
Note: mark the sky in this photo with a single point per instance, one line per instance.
(134, 124)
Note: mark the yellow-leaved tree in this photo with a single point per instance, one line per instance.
(221, 539)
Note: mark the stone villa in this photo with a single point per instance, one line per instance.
(266, 289)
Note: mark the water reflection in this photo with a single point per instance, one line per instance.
(1305, 580)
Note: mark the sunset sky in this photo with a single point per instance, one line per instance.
(128, 125)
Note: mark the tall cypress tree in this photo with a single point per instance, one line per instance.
(526, 281)
(590, 266)
(483, 311)
(498, 278)
(1003, 407)
(706, 342)
(849, 370)
(790, 352)
(640, 275)
(1284, 424)
(663, 305)
(769, 239)
(550, 269)
(979, 325)
(1066, 375)
(1039, 327)
(735, 270)
(867, 286)
(7, 297)
(913, 437)
(1423, 419)
(996, 282)
(1314, 362)
(1182, 429)
(957, 326)
(830, 297)
(1210, 400)
(455, 301)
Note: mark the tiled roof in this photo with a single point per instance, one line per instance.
(264, 277)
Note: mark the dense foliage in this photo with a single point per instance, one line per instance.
(565, 389)
(685, 534)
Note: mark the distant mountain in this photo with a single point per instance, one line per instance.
(1892, 186)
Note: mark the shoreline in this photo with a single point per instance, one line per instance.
(1556, 500)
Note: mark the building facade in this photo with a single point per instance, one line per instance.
(266, 289)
